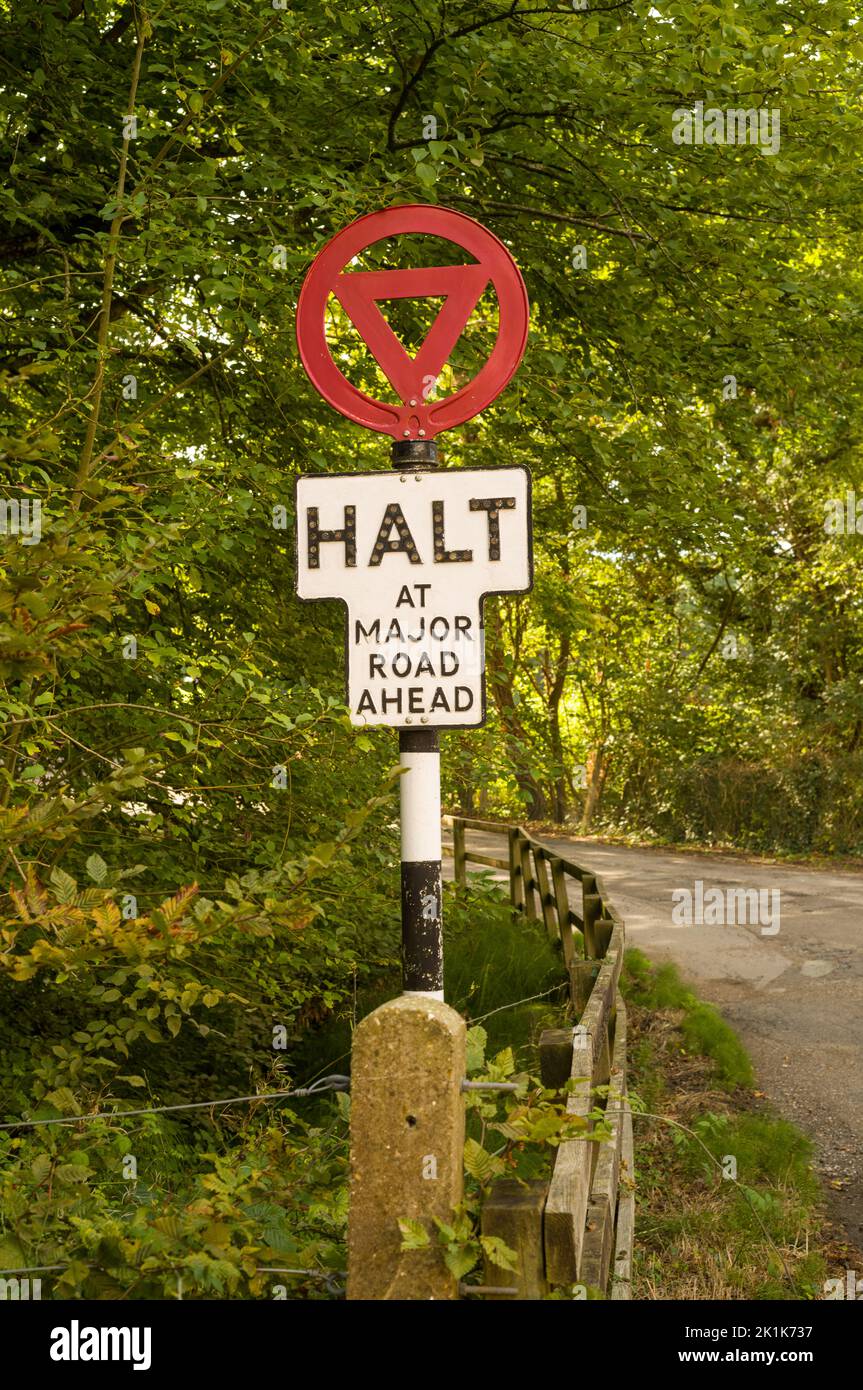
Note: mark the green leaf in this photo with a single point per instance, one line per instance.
(461, 1259)
(480, 1164)
(41, 1167)
(504, 1063)
(71, 1173)
(414, 1234)
(63, 1098)
(278, 1238)
(65, 886)
(477, 1038)
(499, 1253)
(97, 868)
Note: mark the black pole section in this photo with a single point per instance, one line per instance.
(411, 454)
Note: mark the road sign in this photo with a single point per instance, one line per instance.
(413, 553)
(460, 286)
(412, 556)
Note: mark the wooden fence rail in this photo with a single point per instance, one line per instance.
(577, 1228)
(573, 1229)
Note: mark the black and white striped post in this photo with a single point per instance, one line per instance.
(419, 757)
(422, 926)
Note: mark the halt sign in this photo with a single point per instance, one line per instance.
(412, 555)
(459, 286)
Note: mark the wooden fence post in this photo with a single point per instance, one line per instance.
(582, 977)
(527, 877)
(599, 1240)
(564, 919)
(602, 927)
(555, 1057)
(459, 868)
(407, 1145)
(546, 897)
(569, 1189)
(592, 911)
(514, 1211)
(621, 1287)
(516, 881)
(578, 1225)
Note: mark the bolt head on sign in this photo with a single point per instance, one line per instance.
(460, 286)
(412, 555)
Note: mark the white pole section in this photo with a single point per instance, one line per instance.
(422, 928)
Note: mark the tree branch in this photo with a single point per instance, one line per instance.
(96, 389)
(509, 209)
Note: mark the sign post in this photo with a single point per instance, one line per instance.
(413, 552)
(422, 924)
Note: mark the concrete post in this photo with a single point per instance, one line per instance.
(407, 1145)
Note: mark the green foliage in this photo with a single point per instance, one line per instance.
(767, 1149)
(462, 1248)
(494, 960)
(703, 1029)
(196, 848)
(532, 1121)
(706, 1032)
(774, 1193)
(264, 1194)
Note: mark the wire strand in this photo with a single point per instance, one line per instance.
(515, 1003)
(327, 1083)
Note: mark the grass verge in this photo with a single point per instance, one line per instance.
(728, 1204)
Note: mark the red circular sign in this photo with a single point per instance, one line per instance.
(461, 286)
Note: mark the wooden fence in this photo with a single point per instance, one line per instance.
(577, 1228)
(573, 1229)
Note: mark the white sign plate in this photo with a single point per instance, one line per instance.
(412, 556)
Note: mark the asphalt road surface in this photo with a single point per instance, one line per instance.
(795, 996)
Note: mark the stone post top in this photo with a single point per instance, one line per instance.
(417, 1007)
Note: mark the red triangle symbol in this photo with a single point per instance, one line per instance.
(460, 286)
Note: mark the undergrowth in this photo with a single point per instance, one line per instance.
(728, 1206)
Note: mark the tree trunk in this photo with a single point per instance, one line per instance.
(558, 799)
(596, 781)
(501, 684)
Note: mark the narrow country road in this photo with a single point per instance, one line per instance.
(795, 998)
